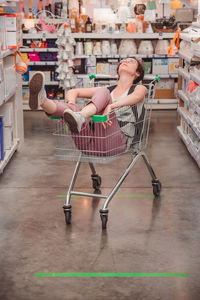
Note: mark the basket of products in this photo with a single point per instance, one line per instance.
(164, 25)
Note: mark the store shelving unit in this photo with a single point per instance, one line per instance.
(97, 36)
(13, 96)
(101, 36)
(188, 110)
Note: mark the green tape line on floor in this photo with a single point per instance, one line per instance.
(111, 275)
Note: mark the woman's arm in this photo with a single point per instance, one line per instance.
(72, 94)
(136, 96)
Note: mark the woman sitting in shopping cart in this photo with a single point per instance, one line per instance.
(118, 128)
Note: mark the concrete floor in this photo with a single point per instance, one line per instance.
(143, 234)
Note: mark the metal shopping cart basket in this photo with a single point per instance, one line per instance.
(128, 134)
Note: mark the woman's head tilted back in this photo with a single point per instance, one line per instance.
(133, 66)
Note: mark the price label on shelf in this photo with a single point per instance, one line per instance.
(160, 35)
(44, 36)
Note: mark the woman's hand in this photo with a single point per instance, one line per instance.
(107, 111)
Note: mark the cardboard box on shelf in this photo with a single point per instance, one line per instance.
(25, 95)
(13, 22)
(7, 111)
(103, 68)
(147, 67)
(164, 94)
(160, 66)
(91, 70)
(14, 39)
(173, 65)
(113, 66)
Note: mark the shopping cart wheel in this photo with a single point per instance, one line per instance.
(104, 218)
(156, 187)
(68, 214)
(96, 182)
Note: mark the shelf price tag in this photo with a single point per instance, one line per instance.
(44, 36)
(160, 35)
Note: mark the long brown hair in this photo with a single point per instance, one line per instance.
(140, 70)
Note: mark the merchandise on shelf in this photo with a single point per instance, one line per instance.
(189, 93)
(65, 55)
(10, 33)
(160, 66)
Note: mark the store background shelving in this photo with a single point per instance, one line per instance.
(188, 110)
(158, 103)
(14, 96)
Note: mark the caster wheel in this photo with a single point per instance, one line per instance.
(96, 182)
(68, 215)
(104, 219)
(156, 187)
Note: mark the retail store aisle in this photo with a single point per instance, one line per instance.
(143, 234)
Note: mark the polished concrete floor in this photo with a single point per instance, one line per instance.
(143, 234)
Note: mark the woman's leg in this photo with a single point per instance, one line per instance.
(96, 105)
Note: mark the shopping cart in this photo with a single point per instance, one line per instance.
(95, 144)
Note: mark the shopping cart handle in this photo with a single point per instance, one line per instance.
(99, 118)
(157, 78)
(92, 76)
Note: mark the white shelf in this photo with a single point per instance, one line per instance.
(38, 49)
(152, 76)
(125, 56)
(195, 107)
(165, 101)
(183, 136)
(187, 117)
(5, 53)
(189, 144)
(195, 77)
(47, 20)
(184, 73)
(39, 35)
(8, 155)
(196, 24)
(163, 106)
(185, 56)
(160, 35)
(12, 93)
(26, 107)
(196, 53)
(184, 113)
(46, 83)
(42, 63)
(146, 77)
(186, 37)
(188, 56)
(184, 97)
